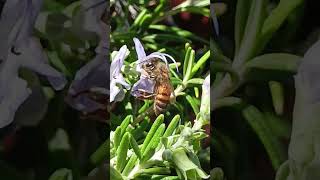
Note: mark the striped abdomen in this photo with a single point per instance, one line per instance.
(162, 99)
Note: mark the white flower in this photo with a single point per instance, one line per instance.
(117, 80)
(143, 58)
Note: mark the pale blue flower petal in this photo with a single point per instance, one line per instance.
(117, 62)
(144, 83)
(84, 71)
(94, 10)
(34, 58)
(143, 58)
(14, 92)
(116, 93)
(121, 80)
(28, 53)
(84, 104)
(94, 76)
(117, 80)
(28, 20)
(10, 24)
(139, 49)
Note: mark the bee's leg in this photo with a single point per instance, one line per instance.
(145, 95)
(149, 96)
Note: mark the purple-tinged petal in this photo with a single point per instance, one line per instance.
(103, 46)
(10, 17)
(17, 22)
(116, 90)
(91, 78)
(91, 19)
(18, 49)
(94, 77)
(88, 68)
(28, 20)
(117, 62)
(117, 80)
(139, 48)
(143, 58)
(13, 89)
(121, 80)
(144, 84)
(116, 93)
(84, 103)
(14, 92)
(34, 58)
(94, 10)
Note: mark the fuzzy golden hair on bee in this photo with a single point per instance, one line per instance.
(156, 73)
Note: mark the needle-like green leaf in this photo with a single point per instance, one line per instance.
(122, 152)
(135, 147)
(257, 121)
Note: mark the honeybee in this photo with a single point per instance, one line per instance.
(154, 84)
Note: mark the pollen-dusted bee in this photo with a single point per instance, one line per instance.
(154, 84)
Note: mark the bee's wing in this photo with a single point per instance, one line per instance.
(142, 87)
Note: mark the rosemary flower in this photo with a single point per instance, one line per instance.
(90, 79)
(19, 49)
(143, 57)
(117, 81)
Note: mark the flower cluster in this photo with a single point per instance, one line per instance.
(117, 80)
(20, 49)
(93, 77)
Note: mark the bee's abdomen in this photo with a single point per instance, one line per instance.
(161, 102)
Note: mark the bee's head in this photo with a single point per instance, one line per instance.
(151, 64)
